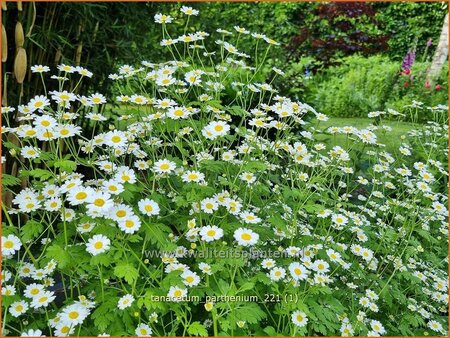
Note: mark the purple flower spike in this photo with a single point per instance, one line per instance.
(409, 59)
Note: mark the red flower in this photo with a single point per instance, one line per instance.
(427, 84)
(438, 87)
(406, 84)
(406, 71)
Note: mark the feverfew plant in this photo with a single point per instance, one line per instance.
(210, 206)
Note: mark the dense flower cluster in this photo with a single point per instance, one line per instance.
(357, 235)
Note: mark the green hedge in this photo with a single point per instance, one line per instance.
(360, 85)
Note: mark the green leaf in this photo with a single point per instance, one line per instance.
(237, 111)
(250, 313)
(270, 331)
(30, 230)
(9, 180)
(66, 165)
(60, 255)
(126, 271)
(104, 315)
(254, 166)
(246, 286)
(42, 174)
(213, 166)
(197, 329)
(101, 259)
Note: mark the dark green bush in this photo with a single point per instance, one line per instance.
(360, 85)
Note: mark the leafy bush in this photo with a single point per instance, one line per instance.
(188, 215)
(360, 85)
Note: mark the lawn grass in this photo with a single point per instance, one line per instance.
(392, 139)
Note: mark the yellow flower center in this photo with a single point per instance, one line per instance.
(65, 329)
(116, 139)
(81, 195)
(73, 315)
(99, 202)
(246, 237)
(164, 166)
(98, 245)
(42, 299)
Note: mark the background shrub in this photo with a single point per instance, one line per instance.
(359, 85)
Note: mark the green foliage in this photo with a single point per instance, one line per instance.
(409, 24)
(126, 271)
(31, 230)
(361, 85)
(197, 329)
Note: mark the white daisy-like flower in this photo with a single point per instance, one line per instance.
(248, 177)
(115, 139)
(298, 271)
(97, 244)
(377, 327)
(176, 294)
(205, 268)
(32, 333)
(97, 98)
(164, 166)
(299, 318)
(268, 263)
(215, 129)
(190, 278)
(39, 69)
(193, 176)
(10, 244)
(148, 207)
(246, 237)
(130, 224)
(100, 202)
(18, 308)
(125, 302)
(38, 103)
(162, 18)
(249, 217)
(32, 290)
(143, 330)
(177, 113)
(64, 330)
(209, 205)
(42, 299)
(189, 10)
(74, 314)
(320, 266)
(211, 233)
(277, 274)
